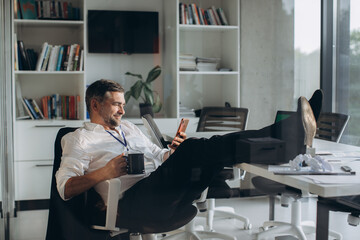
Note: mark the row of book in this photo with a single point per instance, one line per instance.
(192, 14)
(31, 9)
(51, 57)
(188, 62)
(60, 58)
(53, 107)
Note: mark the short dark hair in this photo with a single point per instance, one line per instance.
(98, 90)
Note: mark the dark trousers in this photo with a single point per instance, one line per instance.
(191, 168)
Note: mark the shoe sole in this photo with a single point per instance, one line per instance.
(308, 121)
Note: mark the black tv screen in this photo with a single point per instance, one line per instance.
(124, 32)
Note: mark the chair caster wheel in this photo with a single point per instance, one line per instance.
(248, 227)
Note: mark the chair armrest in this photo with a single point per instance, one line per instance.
(110, 192)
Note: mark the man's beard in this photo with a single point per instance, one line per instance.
(112, 121)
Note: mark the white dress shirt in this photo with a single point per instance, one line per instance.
(91, 147)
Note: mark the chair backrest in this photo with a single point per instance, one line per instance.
(331, 126)
(68, 219)
(222, 119)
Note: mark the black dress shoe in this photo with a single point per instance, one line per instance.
(316, 102)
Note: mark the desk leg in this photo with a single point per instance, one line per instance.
(322, 221)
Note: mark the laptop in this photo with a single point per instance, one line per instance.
(281, 115)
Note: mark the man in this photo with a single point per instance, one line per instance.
(173, 178)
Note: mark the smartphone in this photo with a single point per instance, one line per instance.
(182, 127)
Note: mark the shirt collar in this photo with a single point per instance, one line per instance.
(95, 127)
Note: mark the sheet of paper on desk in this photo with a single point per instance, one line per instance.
(341, 179)
(286, 169)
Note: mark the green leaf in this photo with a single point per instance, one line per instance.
(149, 98)
(127, 96)
(134, 75)
(153, 74)
(136, 89)
(157, 105)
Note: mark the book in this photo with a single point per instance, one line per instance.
(222, 16)
(32, 56)
(76, 57)
(41, 57)
(17, 11)
(46, 58)
(217, 19)
(45, 107)
(81, 65)
(195, 14)
(28, 10)
(60, 57)
(27, 109)
(31, 109)
(24, 58)
(20, 111)
(53, 58)
(70, 63)
(36, 108)
(16, 55)
(66, 57)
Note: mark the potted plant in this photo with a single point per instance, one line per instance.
(143, 89)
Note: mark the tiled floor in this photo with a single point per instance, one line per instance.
(31, 225)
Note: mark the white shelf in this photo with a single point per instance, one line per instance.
(189, 27)
(207, 73)
(48, 72)
(53, 23)
(197, 89)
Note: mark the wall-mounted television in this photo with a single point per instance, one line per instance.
(124, 32)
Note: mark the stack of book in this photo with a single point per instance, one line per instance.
(207, 64)
(187, 62)
(187, 112)
(53, 107)
(192, 14)
(60, 58)
(31, 9)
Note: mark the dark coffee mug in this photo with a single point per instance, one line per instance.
(135, 163)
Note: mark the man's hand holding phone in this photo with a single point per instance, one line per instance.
(180, 135)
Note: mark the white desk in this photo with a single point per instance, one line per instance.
(304, 182)
(343, 152)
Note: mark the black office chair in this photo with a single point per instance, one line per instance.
(72, 219)
(223, 119)
(330, 126)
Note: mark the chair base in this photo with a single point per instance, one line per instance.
(294, 228)
(223, 212)
(191, 232)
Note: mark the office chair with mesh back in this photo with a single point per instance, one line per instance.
(330, 126)
(223, 119)
(77, 218)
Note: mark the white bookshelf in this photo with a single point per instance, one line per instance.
(197, 89)
(34, 139)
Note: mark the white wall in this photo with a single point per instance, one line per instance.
(272, 76)
(114, 66)
(266, 59)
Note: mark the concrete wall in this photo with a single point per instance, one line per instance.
(266, 59)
